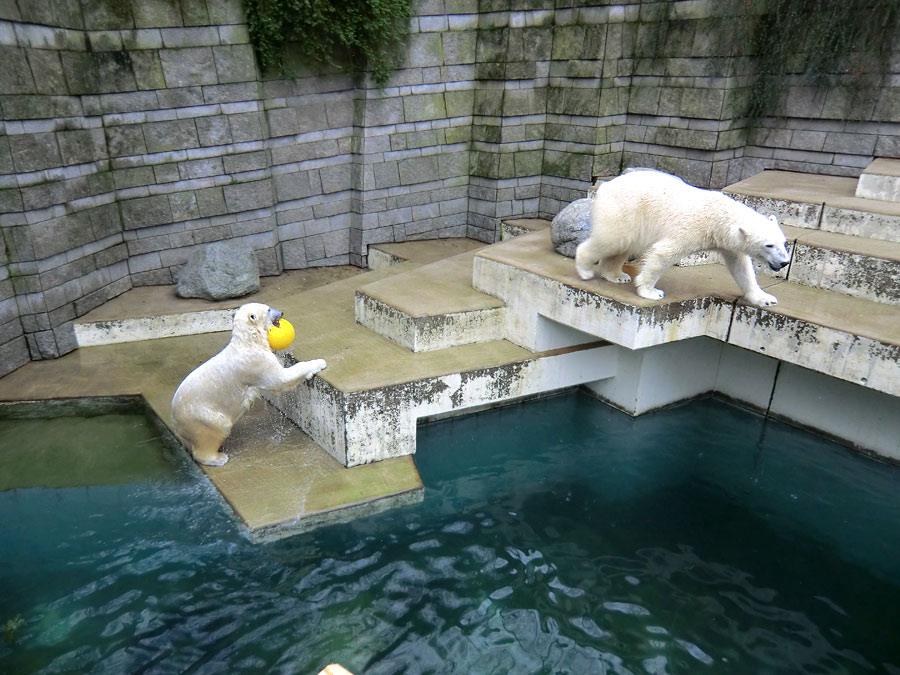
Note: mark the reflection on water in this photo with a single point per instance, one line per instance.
(557, 536)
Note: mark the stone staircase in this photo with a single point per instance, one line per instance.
(438, 328)
(838, 311)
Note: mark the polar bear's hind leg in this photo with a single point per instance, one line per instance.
(611, 269)
(585, 259)
(205, 446)
(655, 261)
(203, 432)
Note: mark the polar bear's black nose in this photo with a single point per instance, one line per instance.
(274, 316)
(775, 266)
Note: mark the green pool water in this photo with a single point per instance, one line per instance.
(557, 536)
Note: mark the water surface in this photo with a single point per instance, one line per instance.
(557, 536)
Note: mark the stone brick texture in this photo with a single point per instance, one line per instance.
(133, 132)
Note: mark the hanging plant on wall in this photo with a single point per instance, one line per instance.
(355, 35)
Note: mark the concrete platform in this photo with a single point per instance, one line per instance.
(450, 325)
(277, 480)
(831, 333)
(362, 409)
(364, 406)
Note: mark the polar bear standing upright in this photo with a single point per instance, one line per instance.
(660, 219)
(213, 396)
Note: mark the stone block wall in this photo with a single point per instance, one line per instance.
(133, 131)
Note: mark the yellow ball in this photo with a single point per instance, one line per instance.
(281, 336)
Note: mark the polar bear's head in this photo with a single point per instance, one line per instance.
(252, 322)
(763, 239)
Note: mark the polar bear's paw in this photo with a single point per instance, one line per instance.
(584, 274)
(650, 293)
(761, 299)
(617, 279)
(317, 365)
(219, 459)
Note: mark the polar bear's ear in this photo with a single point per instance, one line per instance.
(773, 219)
(742, 232)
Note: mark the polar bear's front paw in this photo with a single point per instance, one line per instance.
(761, 299)
(317, 365)
(650, 293)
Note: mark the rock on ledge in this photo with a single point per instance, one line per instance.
(571, 226)
(221, 270)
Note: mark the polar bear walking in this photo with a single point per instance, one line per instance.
(660, 219)
(213, 396)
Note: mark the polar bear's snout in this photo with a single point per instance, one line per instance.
(776, 256)
(274, 316)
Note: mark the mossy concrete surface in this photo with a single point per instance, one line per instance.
(277, 480)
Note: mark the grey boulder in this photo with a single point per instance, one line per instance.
(218, 271)
(571, 226)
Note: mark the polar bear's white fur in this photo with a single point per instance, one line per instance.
(213, 397)
(660, 219)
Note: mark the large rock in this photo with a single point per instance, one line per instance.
(218, 271)
(571, 226)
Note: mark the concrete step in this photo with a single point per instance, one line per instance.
(880, 180)
(152, 312)
(431, 307)
(827, 203)
(421, 251)
(364, 406)
(848, 338)
(856, 266)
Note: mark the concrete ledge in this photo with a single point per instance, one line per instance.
(279, 481)
(862, 268)
(378, 258)
(94, 333)
(848, 338)
(535, 281)
(378, 423)
(421, 251)
(862, 223)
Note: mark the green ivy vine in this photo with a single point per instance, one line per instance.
(355, 35)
